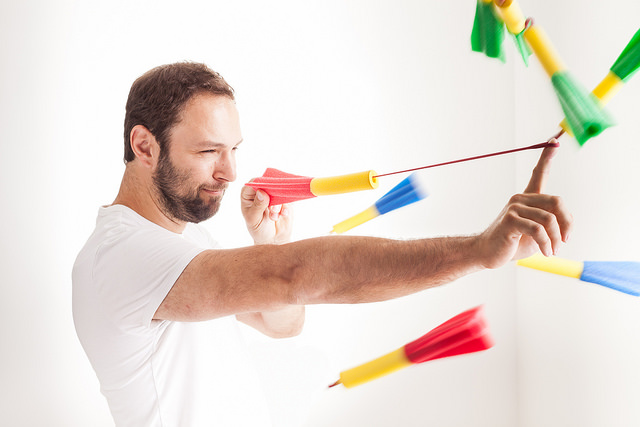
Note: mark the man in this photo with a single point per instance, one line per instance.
(148, 272)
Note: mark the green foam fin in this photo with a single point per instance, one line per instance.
(586, 117)
(488, 32)
(523, 47)
(629, 60)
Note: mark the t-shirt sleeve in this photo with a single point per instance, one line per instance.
(135, 272)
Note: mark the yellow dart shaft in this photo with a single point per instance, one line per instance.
(512, 16)
(563, 267)
(354, 221)
(375, 369)
(544, 50)
(608, 87)
(537, 39)
(344, 183)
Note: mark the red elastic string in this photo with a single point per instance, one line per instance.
(531, 147)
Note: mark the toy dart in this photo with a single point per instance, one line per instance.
(284, 187)
(585, 116)
(623, 276)
(408, 191)
(620, 72)
(465, 333)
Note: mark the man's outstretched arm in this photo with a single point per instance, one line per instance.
(340, 269)
(351, 269)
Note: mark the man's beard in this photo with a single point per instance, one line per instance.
(188, 207)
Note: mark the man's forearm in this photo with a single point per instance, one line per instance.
(363, 269)
(324, 270)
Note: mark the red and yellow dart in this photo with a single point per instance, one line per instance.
(465, 333)
(284, 187)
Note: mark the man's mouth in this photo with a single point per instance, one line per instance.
(214, 191)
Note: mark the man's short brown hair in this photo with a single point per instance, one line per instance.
(157, 98)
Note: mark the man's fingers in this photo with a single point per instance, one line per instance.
(542, 217)
(274, 212)
(541, 171)
(253, 203)
(251, 196)
(247, 194)
(552, 205)
(542, 226)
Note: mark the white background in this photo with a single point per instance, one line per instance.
(326, 88)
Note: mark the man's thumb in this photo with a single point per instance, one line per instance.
(261, 200)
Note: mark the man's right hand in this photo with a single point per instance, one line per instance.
(530, 221)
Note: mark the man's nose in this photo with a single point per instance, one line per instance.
(225, 168)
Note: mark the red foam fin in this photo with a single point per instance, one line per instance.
(283, 187)
(465, 333)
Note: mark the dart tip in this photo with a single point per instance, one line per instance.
(335, 384)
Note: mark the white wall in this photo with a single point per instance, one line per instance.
(578, 346)
(327, 88)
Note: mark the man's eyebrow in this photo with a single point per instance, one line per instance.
(215, 144)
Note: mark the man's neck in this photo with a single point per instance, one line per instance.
(137, 194)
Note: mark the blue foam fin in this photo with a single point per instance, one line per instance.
(408, 191)
(623, 276)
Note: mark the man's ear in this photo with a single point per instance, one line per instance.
(144, 145)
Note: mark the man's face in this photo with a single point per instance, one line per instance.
(192, 176)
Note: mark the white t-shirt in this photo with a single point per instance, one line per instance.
(157, 373)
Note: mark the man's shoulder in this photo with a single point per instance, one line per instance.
(119, 216)
(200, 235)
(117, 225)
(124, 240)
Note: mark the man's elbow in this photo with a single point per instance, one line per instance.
(294, 330)
(281, 334)
(289, 329)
